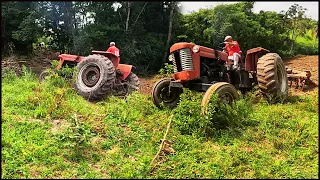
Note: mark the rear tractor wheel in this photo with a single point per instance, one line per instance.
(272, 78)
(95, 77)
(161, 94)
(227, 94)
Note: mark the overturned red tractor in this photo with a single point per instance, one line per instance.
(99, 74)
(204, 69)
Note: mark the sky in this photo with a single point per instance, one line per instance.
(277, 6)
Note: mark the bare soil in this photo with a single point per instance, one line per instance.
(146, 83)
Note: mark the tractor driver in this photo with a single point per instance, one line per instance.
(233, 49)
(113, 49)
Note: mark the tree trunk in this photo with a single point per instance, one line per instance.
(173, 5)
(139, 14)
(128, 16)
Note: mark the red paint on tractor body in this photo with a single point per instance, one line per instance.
(251, 59)
(68, 57)
(124, 68)
(203, 52)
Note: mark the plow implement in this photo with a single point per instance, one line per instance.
(301, 78)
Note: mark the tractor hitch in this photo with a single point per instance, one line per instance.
(176, 84)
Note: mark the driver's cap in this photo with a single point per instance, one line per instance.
(227, 37)
(112, 44)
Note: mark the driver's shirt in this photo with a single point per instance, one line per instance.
(114, 50)
(232, 48)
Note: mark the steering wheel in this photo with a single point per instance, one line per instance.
(221, 46)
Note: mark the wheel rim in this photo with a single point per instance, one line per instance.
(167, 96)
(90, 75)
(226, 98)
(281, 77)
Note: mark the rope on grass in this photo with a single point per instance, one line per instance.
(163, 140)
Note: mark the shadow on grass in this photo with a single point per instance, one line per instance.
(293, 99)
(231, 130)
(82, 153)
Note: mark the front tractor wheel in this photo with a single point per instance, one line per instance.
(95, 77)
(227, 94)
(161, 94)
(43, 76)
(272, 78)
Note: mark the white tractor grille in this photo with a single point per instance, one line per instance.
(186, 59)
(174, 63)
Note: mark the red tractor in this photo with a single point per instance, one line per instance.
(99, 74)
(204, 69)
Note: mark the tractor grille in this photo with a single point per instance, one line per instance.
(182, 60)
(174, 63)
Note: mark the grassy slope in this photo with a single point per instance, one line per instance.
(50, 132)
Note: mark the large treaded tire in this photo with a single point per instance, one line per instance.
(133, 80)
(159, 91)
(103, 86)
(272, 78)
(220, 88)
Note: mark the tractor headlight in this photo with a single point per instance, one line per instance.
(171, 57)
(195, 49)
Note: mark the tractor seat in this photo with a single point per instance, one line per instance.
(241, 59)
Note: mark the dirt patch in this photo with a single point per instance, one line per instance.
(146, 84)
(13, 63)
(40, 60)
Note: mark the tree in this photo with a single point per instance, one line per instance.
(19, 26)
(171, 17)
(294, 15)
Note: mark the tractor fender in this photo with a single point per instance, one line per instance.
(114, 59)
(125, 69)
(252, 58)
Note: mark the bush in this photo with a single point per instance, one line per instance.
(224, 115)
(189, 120)
(8, 75)
(168, 69)
(306, 50)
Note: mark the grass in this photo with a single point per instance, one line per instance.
(48, 131)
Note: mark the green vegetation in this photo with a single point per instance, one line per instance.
(48, 131)
(144, 31)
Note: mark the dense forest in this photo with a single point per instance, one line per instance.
(144, 31)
